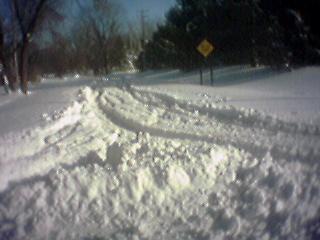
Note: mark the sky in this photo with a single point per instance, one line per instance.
(154, 9)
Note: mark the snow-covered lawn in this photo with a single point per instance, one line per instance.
(156, 156)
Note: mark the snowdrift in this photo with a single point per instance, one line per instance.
(137, 163)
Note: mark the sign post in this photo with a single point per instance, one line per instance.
(205, 48)
(211, 75)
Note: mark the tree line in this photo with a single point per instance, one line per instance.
(40, 37)
(278, 33)
(62, 37)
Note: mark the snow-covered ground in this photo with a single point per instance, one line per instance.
(156, 156)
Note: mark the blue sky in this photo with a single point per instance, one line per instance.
(155, 9)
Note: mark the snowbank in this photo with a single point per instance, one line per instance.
(141, 163)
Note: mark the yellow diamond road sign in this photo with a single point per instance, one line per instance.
(205, 48)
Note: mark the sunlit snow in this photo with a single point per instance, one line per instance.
(156, 156)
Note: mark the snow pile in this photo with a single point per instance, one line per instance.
(130, 163)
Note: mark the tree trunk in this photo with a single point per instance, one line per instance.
(106, 66)
(27, 25)
(24, 67)
(3, 67)
(15, 79)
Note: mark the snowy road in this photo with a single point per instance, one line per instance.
(141, 163)
(18, 113)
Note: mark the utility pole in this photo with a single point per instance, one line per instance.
(253, 6)
(143, 38)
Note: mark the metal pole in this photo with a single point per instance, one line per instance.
(211, 74)
(201, 77)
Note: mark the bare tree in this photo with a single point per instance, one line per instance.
(2, 62)
(28, 14)
(1, 43)
(99, 37)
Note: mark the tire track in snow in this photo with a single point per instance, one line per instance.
(251, 123)
(233, 116)
(130, 124)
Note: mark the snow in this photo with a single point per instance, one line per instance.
(143, 156)
(291, 96)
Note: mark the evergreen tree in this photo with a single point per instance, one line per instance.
(275, 33)
(238, 30)
(299, 22)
